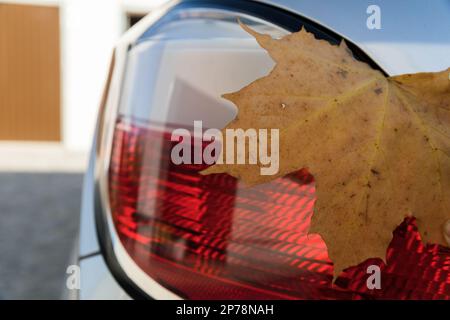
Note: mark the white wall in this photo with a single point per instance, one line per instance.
(89, 30)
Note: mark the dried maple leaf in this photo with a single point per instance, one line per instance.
(379, 148)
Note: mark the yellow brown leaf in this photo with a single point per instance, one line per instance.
(379, 148)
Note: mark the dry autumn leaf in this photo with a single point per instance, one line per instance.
(379, 148)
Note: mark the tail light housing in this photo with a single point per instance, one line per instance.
(174, 233)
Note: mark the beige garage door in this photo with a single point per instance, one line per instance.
(29, 73)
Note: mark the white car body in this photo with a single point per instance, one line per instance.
(414, 37)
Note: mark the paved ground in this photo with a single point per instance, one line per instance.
(39, 215)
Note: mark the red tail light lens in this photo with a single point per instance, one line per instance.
(207, 237)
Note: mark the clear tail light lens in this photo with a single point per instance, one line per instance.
(208, 237)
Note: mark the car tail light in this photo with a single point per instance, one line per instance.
(209, 237)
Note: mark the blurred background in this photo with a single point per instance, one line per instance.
(54, 56)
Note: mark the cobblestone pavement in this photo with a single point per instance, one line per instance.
(39, 215)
